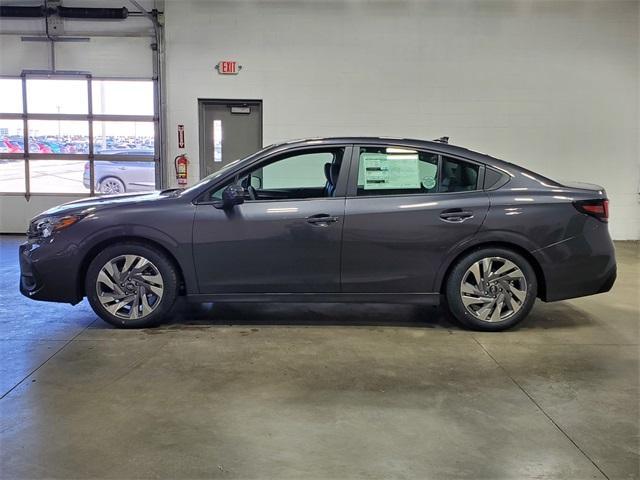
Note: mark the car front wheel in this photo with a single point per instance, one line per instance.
(491, 289)
(131, 285)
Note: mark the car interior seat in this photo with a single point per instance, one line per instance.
(331, 171)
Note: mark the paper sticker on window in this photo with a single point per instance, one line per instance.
(383, 171)
(428, 182)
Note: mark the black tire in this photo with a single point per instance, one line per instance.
(159, 261)
(454, 295)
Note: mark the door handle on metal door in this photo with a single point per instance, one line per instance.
(321, 219)
(455, 215)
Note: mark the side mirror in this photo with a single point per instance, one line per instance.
(232, 195)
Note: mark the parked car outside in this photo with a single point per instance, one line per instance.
(113, 177)
(335, 219)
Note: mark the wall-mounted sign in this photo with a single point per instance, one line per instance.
(241, 109)
(228, 67)
(180, 136)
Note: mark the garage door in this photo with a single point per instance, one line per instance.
(78, 119)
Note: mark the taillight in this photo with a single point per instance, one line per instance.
(596, 208)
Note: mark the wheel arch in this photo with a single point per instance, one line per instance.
(98, 247)
(542, 286)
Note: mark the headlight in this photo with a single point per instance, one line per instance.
(47, 226)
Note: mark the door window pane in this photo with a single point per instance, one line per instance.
(57, 96)
(301, 175)
(396, 171)
(123, 138)
(58, 176)
(10, 95)
(458, 176)
(122, 177)
(217, 140)
(12, 176)
(11, 136)
(116, 97)
(300, 171)
(58, 136)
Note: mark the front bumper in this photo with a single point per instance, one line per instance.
(49, 271)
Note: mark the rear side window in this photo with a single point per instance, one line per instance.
(396, 171)
(494, 179)
(402, 171)
(458, 175)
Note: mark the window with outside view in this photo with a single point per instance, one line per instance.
(77, 129)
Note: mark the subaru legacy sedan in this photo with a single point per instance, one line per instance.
(331, 220)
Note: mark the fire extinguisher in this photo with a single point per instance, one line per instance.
(181, 163)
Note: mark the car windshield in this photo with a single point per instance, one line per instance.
(222, 170)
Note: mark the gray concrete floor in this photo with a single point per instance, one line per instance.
(320, 391)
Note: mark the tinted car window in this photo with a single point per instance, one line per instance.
(458, 175)
(308, 174)
(396, 171)
(494, 179)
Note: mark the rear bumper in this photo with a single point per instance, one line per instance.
(48, 272)
(580, 266)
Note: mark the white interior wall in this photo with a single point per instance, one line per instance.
(552, 86)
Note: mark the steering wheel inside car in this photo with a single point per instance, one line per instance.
(253, 194)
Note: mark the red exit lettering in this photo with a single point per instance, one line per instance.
(228, 67)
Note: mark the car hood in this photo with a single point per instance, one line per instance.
(99, 203)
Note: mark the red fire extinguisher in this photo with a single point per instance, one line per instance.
(181, 163)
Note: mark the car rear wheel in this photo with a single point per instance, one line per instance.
(491, 289)
(111, 186)
(130, 285)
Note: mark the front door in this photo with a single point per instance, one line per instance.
(285, 237)
(405, 210)
(229, 129)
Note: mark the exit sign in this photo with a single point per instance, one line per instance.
(228, 67)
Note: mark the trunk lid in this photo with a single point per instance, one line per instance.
(585, 186)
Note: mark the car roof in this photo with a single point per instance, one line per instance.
(438, 146)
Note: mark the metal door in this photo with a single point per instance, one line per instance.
(229, 129)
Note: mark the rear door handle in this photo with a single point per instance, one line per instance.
(455, 215)
(321, 219)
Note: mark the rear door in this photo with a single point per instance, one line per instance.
(405, 209)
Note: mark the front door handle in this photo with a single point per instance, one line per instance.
(321, 219)
(455, 215)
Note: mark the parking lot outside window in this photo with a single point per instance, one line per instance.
(76, 135)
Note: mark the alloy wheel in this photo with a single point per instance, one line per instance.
(129, 287)
(493, 289)
(111, 186)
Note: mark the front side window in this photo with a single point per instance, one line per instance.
(299, 175)
(396, 171)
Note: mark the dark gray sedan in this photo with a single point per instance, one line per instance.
(331, 220)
